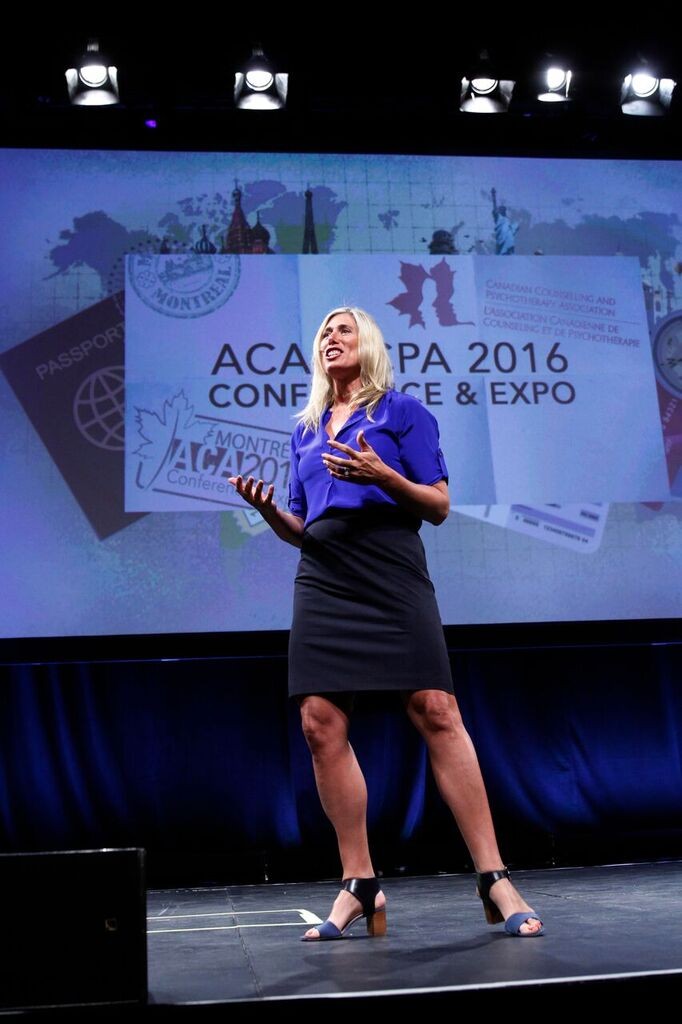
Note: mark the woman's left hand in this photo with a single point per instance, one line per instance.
(360, 467)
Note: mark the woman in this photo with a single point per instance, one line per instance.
(366, 469)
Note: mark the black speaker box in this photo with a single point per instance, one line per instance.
(74, 928)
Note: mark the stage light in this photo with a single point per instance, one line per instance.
(556, 83)
(259, 79)
(94, 82)
(644, 94)
(258, 86)
(644, 85)
(483, 86)
(482, 91)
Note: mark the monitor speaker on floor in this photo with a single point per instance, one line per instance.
(74, 928)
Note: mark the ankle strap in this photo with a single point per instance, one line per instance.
(486, 879)
(364, 890)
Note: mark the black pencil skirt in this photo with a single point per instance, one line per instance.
(365, 613)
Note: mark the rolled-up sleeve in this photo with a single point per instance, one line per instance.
(419, 439)
(297, 503)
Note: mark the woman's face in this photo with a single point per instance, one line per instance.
(339, 347)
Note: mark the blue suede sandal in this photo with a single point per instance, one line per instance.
(365, 891)
(484, 883)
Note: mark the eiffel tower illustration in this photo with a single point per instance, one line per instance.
(309, 239)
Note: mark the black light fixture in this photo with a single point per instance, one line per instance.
(643, 93)
(483, 92)
(94, 81)
(259, 86)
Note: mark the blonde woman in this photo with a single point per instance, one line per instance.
(366, 470)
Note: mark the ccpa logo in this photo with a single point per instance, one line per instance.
(409, 302)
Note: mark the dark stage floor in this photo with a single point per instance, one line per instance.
(242, 942)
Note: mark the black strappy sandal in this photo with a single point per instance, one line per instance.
(365, 891)
(485, 880)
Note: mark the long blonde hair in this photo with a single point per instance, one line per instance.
(376, 371)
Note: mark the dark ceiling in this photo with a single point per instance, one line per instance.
(388, 84)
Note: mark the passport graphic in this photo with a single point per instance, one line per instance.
(69, 380)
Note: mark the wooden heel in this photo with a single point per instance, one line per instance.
(376, 923)
(492, 913)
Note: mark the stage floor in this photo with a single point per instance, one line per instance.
(243, 942)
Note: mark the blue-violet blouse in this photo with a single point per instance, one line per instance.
(402, 432)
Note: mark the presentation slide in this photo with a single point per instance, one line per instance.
(211, 384)
(149, 351)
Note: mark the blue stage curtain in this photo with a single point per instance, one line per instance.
(209, 756)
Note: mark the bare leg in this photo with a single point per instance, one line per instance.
(343, 794)
(460, 783)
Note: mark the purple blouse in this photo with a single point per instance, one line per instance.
(402, 432)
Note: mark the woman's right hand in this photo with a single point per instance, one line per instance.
(253, 493)
(286, 525)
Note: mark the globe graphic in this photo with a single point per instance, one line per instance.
(98, 408)
(146, 279)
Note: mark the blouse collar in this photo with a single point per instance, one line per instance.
(353, 418)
